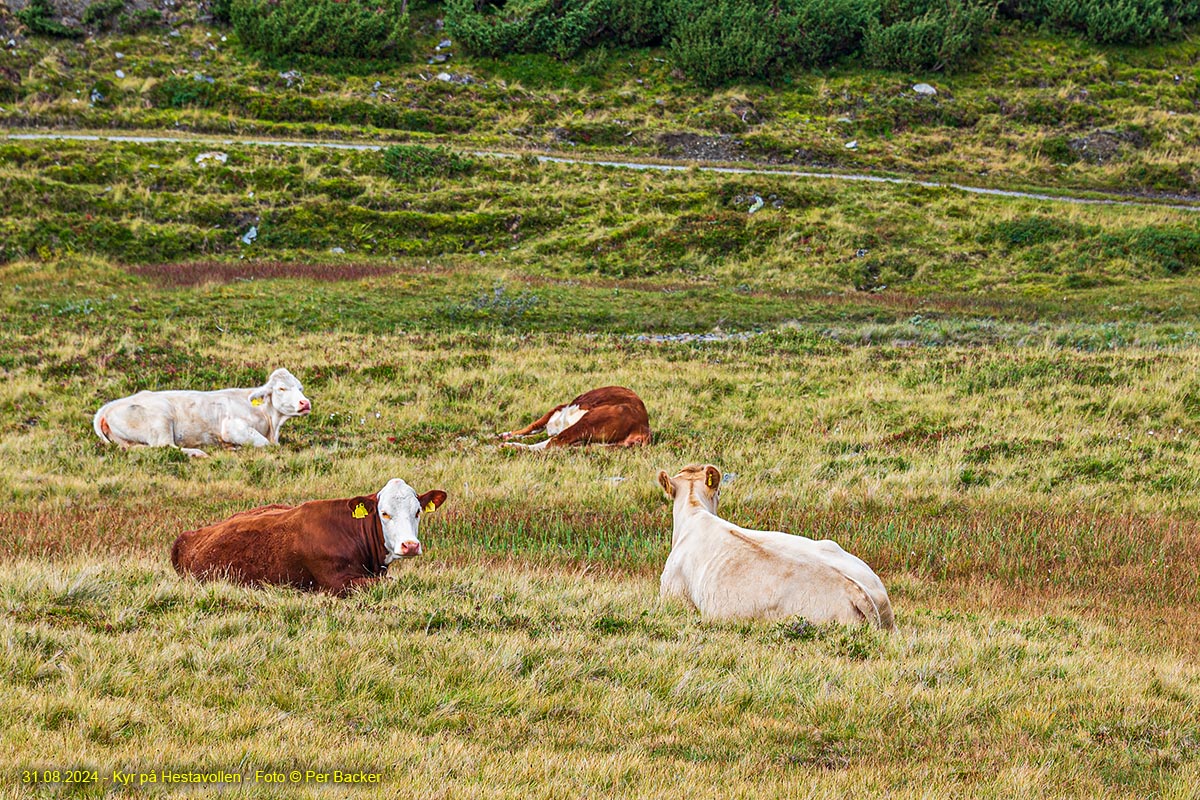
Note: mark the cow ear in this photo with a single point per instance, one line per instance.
(712, 477)
(431, 500)
(260, 395)
(361, 507)
(665, 481)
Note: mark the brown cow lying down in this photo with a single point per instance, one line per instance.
(730, 572)
(324, 545)
(613, 415)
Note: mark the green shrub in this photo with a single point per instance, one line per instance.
(177, 92)
(40, 17)
(941, 37)
(327, 28)
(718, 40)
(140, 19)
(414, 162)
(1110, 21)
(1029, 231)
(99, 13)
(560, 27)
(220, 10)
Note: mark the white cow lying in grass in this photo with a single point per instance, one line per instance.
(190, 420)
(728, 572)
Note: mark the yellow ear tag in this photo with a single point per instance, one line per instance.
(359, 512)
(430, 507)
(708, 482)
(257, 401)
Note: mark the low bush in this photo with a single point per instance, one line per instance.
(40, 17)
(414, 162)
(940, 36)
(101, 12)
(1110, 21)
(326, 28)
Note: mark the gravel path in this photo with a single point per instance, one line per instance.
(1110, 200)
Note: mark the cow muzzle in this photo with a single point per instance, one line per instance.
(410, 549)
(303, 407)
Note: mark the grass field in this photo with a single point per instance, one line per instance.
(995, 402)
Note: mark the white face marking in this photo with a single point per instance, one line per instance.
(287, 395)
(399, 511)
(563, 419)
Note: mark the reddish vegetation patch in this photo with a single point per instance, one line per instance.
(196, 273)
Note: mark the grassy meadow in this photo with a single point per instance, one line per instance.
(993, 401)
(1032, 510)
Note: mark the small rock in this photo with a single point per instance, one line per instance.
(292, 76)
(925, 89)
(118, 56)
(852, 145)
(120, 73)
(844, 119)
(758, 203)
(96, 96)
(440, 58)
(336, 250)
(204, 158)
(443, 44)
(250, 235)
(175, 34)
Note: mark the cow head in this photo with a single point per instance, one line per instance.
(697, 485)
(283, 392)
(400, 509)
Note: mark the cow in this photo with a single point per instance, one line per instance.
(612, 416)
(332, 546)
(190, 420)
(728, 572)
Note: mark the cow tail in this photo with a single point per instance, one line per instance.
(99, 424)
(866, 605)
(177, 554)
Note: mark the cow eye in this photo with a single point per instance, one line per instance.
(385, 515)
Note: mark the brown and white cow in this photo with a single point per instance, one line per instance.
(190, 419)
(729, 572)
(323, 545)
(612, 416)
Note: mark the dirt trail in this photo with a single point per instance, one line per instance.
(1104, 198)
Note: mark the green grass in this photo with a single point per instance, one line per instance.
(1031, 110)
(492, 223)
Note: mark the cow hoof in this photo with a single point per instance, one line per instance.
(505, 435)
(194, 453)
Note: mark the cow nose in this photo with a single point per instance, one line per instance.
(408, 549)
(305, 405)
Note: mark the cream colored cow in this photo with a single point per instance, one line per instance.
(190, 420)
(729, 572)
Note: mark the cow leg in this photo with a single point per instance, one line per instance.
(534, 426)
(238, 433)
(148, 431)
(538, 446)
